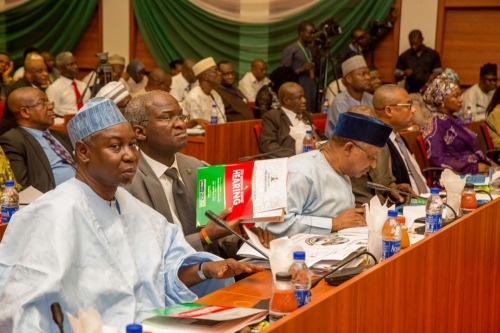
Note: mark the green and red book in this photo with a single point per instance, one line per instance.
(256, 190)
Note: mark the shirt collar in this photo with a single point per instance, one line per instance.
(157, 167)
(289, 113)
(65, 80)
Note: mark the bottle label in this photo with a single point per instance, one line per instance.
(432, 223)
(303, 296)
(390, 248)
(275, 315)
(307, 148)
(213, 120)
(7, 213)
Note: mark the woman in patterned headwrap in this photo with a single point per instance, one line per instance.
(448, 142)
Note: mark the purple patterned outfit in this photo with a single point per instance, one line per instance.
(451, 145)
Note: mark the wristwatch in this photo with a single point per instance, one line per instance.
(200, 272)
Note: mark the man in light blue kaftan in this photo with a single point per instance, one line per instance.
(319, 193)
(91, 243)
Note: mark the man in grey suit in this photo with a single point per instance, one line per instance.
(275, 134)
(39, 157)
(160, 127)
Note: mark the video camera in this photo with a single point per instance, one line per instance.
(325, 30)
(103, 69)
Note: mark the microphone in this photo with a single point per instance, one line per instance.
(381, 187)
(57, 315)
(342, 263)
(491, 127)
(270, 153)
(220, 222)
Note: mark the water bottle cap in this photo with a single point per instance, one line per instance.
(299, 255)
(134, 328)
(392, 213)
(283, 276)
(469, 186)
(308, 131)
(9, 183)
(434, 190)
(401, 219)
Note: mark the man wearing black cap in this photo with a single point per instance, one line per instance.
(320, 198)
(479, 95)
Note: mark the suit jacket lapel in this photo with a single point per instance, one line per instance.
(188, 174)
(154, 188)
(284, 118)
(37, 148)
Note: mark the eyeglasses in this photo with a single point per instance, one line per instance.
(172, 119)
(404, 104)
(45, 103)
(371, 157)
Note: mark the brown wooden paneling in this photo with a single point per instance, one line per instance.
(470, 3)
(470, 39)
(90, 43)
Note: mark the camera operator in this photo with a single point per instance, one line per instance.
(363, 41)
(302, 58)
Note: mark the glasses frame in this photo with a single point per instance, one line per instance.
(45, 103)
(403, 104)
(168, 119)
(371, 157)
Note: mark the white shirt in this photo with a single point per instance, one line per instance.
(477, 100)
(292, 116)
(198, 105)
(413, 184)
(166, 182)
(62, 93)
(180, 87)
(333, 90)
(250, 86)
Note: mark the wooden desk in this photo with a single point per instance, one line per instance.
(448, 282)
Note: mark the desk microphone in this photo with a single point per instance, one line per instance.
(491, 127)
(342, 263)
(381, 187)
(270, 153)
(57, 315)
(220, 222)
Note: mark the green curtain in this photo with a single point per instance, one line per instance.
(178, 29)
(49, 25)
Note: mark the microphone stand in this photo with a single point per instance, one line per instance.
(380, 187)
(270, 153)
(220, 222)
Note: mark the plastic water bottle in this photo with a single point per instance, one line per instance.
(134, 328)
(308, 142)
(468, 115)
(301, 278)
(214, 116)
(433, 212)
(9, 201)
(391, 236)
(283, 299)
(326, 106)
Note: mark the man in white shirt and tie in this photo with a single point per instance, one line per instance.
(66, 92)
(184, 81)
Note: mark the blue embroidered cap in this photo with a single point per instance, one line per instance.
(363, 128)
(97, 114)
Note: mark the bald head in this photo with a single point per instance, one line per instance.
(35, 70)
(291, 96)
(30, 108)
(159, 79)
(259, 69)
(386, 94)
(21, 97)
(394, 107)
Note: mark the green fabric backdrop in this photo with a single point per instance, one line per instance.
(178, 29)
(49, 25)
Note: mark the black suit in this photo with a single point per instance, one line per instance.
(8, 120)
(28, 160)
(398, 164)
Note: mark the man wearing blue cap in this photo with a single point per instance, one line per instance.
(91, 243)
(320, 199)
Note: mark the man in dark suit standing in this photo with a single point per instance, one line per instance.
(279, 126)
(166, 179)
(35, 75)
(39, 157)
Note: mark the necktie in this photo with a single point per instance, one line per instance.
(59, 150)
(186, 210)
(413, 172)
(78, 96)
